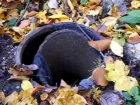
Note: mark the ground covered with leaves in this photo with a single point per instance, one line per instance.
(115, 82)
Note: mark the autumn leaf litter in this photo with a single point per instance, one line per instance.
(120, 25)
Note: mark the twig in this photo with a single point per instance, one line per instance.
(21, 16)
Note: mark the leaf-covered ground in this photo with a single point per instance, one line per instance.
(116, 82)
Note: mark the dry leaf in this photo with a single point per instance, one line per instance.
(1, 22)
(26, 85)
(109, 22)
(10, 5)
(64, 84)
(2, 97)
(2, 15)
(44, 96)
(35, 89)
(99, 76)
(135, 4)
(12, 99)
(116, 48)
(19, 30)
(58, 16)
(133, 38)
(13, 13)
(30, 14)
(24, 23)
(96, 11)
(20, 73)
(20, 78)
(100, 45)
(42, 16)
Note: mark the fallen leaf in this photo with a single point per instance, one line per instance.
(30, 14)
(116, 48)
(26, 85)
(9, 0)
(109, 22)
(35, 89)
(19, 30)
(42, 16)
(12, 14)
(1, 30)
(1, 22)
(12, 99)
(2, 97)
(2, 15)
(117, 67)
(10, 5)
(125, 83)
(44, 96)
(20, 73)
(99, 76)
(20, 78)
(96, 11)
(64, 84)
(135, 4)
(24, 23)
(53, 4)
(133, 38)
(58, 16)
(100, 45)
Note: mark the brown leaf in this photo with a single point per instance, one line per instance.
(19, 73)
(133, 38)
(44, 96)
(99, 76)
(10, 5)
(2, 97)
(100, 45)
(20, 78)
(30, 14)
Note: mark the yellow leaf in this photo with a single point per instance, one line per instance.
(109, 21)
(79, 100)
(125, 83)
(26, 85)
(116, 48)
(12, 14)
(59, 16)
(96, 11)
(23, 98)
(2, 10)
(12, 99)
(116, 70)
(135, 4)
(2, 97)
(42, 16)
(19, 30)
(44, 96)
(110, 66)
